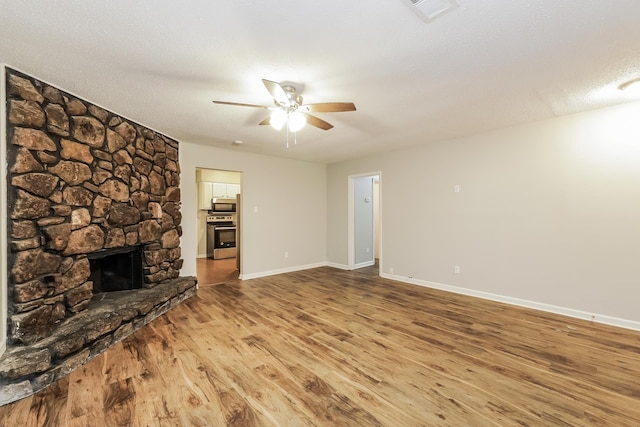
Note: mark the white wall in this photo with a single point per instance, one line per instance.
(547, 213)
(290, 197)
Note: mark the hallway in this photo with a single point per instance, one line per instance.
(211, 272)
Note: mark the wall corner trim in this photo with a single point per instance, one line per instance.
(4, 243)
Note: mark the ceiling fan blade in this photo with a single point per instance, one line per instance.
(319, 123)
(266, 121)
(329, 107)
(277, 92)
(239, 104)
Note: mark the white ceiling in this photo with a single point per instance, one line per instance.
(487, 64)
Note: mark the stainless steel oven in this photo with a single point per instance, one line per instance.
(221, 236)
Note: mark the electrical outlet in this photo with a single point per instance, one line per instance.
(286, 254)
(456, 269)
(367, 250)
(391, 270)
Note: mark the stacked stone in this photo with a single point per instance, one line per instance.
(82, 179)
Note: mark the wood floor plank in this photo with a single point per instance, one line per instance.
(328, 347)
(88, 402)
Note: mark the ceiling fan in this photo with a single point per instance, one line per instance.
(289, 109)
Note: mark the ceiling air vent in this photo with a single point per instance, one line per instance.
(428, 10)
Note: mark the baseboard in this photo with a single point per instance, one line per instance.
(578, 314)
(346, 267)
(281, 271)
(364, 264)
(336, 265)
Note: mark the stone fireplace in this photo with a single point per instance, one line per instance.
(93, 206)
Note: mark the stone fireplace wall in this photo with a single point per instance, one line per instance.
(81, 179)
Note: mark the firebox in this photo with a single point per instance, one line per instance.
(116, 269)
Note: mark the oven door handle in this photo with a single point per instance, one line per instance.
(225, 228)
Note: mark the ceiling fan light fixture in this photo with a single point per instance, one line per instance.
(290, 111)
(297, 121)
(278, 119)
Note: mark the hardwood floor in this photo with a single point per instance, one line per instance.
(213, 271)
(329, 347)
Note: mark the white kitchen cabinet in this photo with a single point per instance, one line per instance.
(206, 194)
(225, 191)
(233, 190)
(216, 190)
(219, 190)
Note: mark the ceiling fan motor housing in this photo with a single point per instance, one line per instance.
(294, 97)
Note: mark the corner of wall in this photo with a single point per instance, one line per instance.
(3, 212)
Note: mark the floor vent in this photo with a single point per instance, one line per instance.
(428, 10)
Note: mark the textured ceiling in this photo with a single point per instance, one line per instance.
(485, 65)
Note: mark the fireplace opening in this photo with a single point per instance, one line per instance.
(116, 269)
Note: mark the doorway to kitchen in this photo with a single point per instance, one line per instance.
(364, 230)
(219, 225)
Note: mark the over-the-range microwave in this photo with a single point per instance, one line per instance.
(223, 205)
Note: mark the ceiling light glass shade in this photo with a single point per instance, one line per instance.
(296, 121)
(278, 118)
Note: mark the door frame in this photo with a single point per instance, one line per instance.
(239, 213)
(351, 220)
